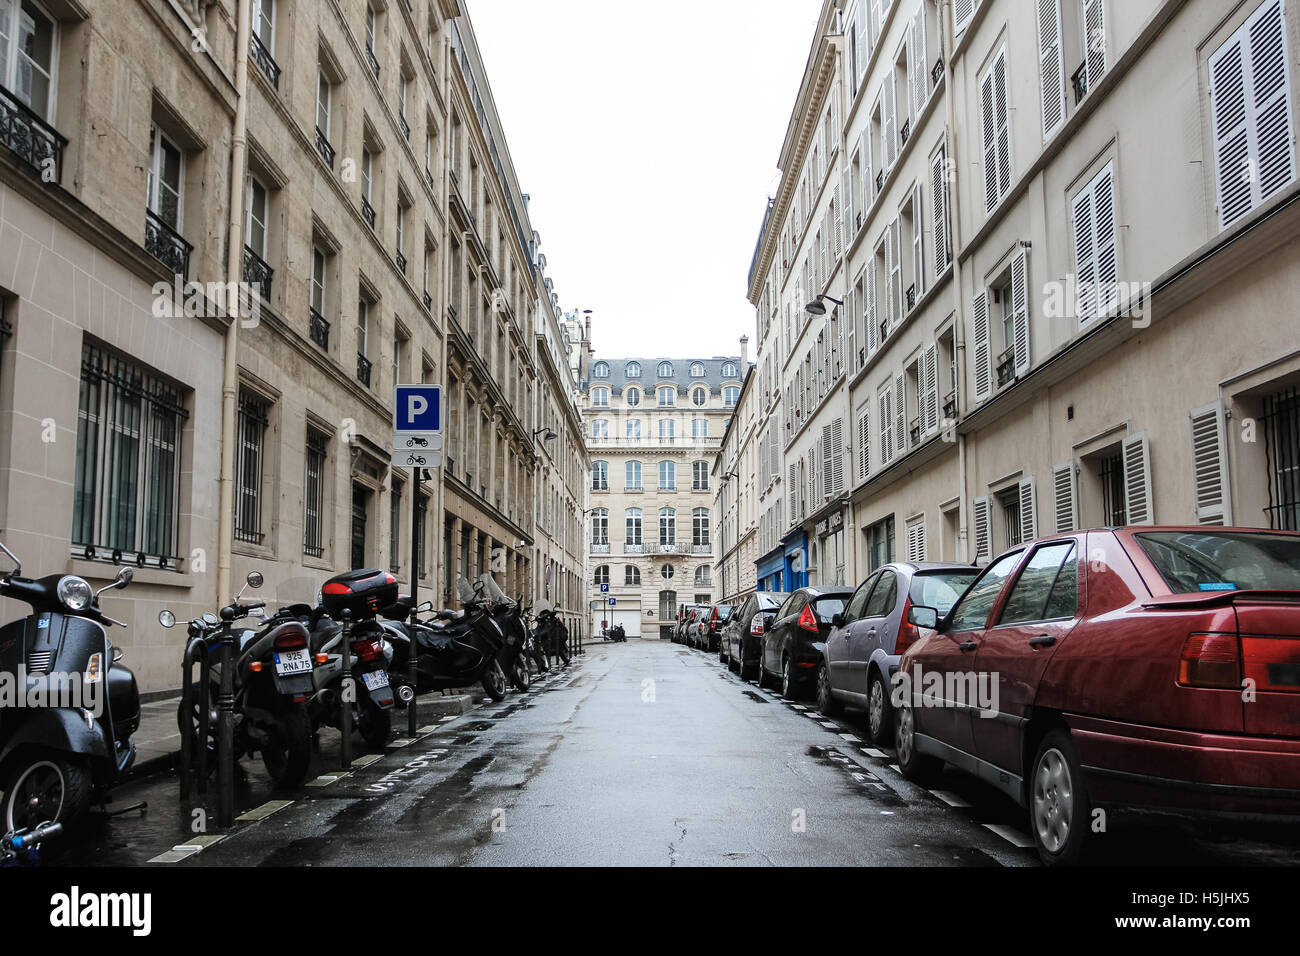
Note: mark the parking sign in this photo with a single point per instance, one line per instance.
(418, 408)
(604, 589)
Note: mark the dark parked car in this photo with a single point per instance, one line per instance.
(708, 634)
(864, 647)
(794, 643)
(742, 635)
(1110, 667)
(685, 616)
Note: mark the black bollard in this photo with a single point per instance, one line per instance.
(226, 731)
(345, 712)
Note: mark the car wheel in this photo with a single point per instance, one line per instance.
(733, 665)
(789, 683)
(826, 702)
(880, 713)
(761, 674)
(1059, 811)
(916, 767)
(724, 655)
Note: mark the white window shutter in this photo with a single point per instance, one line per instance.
(983, 365)
(916, 542)
(1028, 510)
(921, 82)
(1004, 126)
(887, 315)
(989, 134)
(930, 367)
(1051, 65)
(838, 235)
(870, 313)
(1209, 460)
(868, 182)
(793, 492)
(939, 241)
(1085, 256)
(886, 425)
(864, 442)
(983, 530)
(846, 198)
(1063, 498)
(890, 122)
(1094, 29)
(894, 237)
(825, 451)
(918, 241)
(850, 315)
(837, 456)
(962, 11)
(1020, 309)
(1103, 224)
(900, 413)
(1137, 480)
(915, 92)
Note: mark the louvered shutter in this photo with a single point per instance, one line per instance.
(837, 456)
(916, 542)
(915, 94)
(875, 23)
(872, 313)
(1063, 498)
(864, 442)
(939, 211)
(1028, 510)
(1137, 479)
(983, 531)
(989, 134)
(1094, 28)
(827, 450)
(893, 239)
(922, 79)
(1103, 212)
(1020, 309)
(900, 413)
(983, 366)
(846, 197)
(918, 241)
(889, 122)
(962, 11)
(793, 492)
(1051, 65)
(814, 478)
(838, 234)
(1085, 257)
(886, 425)
(930, 367)
(1209, 481)
(1003, 126)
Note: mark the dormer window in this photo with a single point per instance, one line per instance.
(729, 370)
(633, 370)
(600, 370)
(665, 369)
(697, 370)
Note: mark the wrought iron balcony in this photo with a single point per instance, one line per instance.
(367, 212)
(701, 549)
(374, 63)
(428, 302)
(1079, 80)
(258, 273)
(262, 57)
(319, 328)
(911, 297)
(600, 548)
(324, 148)
(363, 370)
(32, 140)
(401, 263)
(428, 178)
(936, 71)
(884, 331)
(634, 549)
(904, 131)
(880, 180)
(915, 431)
(406, 127)
(950, 405)
(166, 245)
(1006, 367)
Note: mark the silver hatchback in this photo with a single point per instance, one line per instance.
(869, 637)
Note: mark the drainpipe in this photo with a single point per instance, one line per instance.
(959, 321)
(234, 276)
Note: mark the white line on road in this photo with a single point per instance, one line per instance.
(1012, 836)
(264, 811)
(950, 798)
(852, 737)
(873, 752)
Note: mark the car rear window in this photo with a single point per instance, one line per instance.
(724, 612)
(1191, 561)
(827, 607)
(940, 590)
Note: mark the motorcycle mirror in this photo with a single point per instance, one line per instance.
(124, 577)
(117, 655)
(426, 606)
(166, 618)
(254, 579)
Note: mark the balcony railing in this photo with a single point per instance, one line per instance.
(634, 549)
(258, 273)
(950, 406)
(406, 127)
(324, 148)
(701, 549)
(428, 302)
(1006, 367)
(884, 331)
(880, 180)
(32, 140)
(367, 212)
(1080, 82)
(166, 245)
(914, 431)
(428, 178)
(319, 328)
(936, 71)
(600, 548)
(374, 63)
(363, 370)
(904, 132)
(911, 297)
(401, 263)
(262, 57)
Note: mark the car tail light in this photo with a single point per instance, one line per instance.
(908, 633)
(1210, 660)
(1272, 663)
(756, 625)
(807, 620)
(368, 650)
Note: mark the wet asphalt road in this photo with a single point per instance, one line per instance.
(643, 753)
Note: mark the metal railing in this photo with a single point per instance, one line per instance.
(258, 273)
(324, 148)
(1006, 366)
(936, 71)
(950, 405)
(319, 329)
(401, 263)
(262, 57)
(1079, 80)
(406, 127)
(911, 297)
(904, 132)
(428, 302)
(374, 63)
(363, 370)
(166, 244)
(31, 139)
(367, 212)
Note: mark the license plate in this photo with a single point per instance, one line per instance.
(293, 662)
(374, 680)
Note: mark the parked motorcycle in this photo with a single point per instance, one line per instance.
(509, 616)
(549, 634)
(273, 677)
(70, 738)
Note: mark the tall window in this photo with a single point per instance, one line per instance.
(667, 397)
(248, 470)
(632, 476)
(27, 45)
(127, 482)
(314, 499)
(700, 527)
(633, 428)
(667, 526)
(667, 606)
(700, 476)
(600, 428)
(255, 225)
(667, 476)
(631, 576)
(699, 428)
(666, 428)
(600, 476)
(363, 328)
(730, 396)
(602, 575)
(634, 526)
(395, 526)
(703, 577)
(880, 543)
(166, 179)
(600, 397)
(324, 93)
(600, 526)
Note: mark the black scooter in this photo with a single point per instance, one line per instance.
(69, 707)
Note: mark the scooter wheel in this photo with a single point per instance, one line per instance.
(42, 787)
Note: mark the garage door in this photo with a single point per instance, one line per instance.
(631, 621)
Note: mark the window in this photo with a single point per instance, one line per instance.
(324, 91)
(371, 23)
(667, 572)
(703, 577)
(1213, 560)
(729, 370)
(27, 49)
(667, 526)
(633, 427)
(884, 596)
(633, 397)
(632, 370)
(631, 576)
(600, 370)
(255, 224)
(665, 369)
(667, 476)
(880, 543)
(634, 526)
(1046, 589)
(395, 526)
(248, 469)
(699, 396)
(601, 576)
(632, 477)
(600, 476)
(730, 396)
(700, 527)
(997, 137)
(1281, 421)
(1251, 114)
(166, 179)
(697, 370)
(1010, 502)
(667, 605)
(127, 483)
(600, 428)
(314, 498)
(667, 427)
(667, 397)
(699, 428)
(363, 337)
(700, 476)
(600, 397)
(972, 611)
(1095, 259)
(600, 526)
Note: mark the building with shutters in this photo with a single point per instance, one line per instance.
(735, 482)
(654, 427)
(1064, 258)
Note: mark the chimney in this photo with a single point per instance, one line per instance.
(744, 353)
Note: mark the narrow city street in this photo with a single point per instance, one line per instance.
(641, 754)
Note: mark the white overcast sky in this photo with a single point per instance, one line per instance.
(648, 136)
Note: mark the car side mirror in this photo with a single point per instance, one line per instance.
(768, 621)
(838, 620)
(921, 616)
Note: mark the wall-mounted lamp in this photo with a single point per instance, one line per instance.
(818, 307)
(548, 434)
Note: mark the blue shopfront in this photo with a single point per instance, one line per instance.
(787, 568)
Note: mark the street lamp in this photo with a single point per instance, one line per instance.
(548, 434)
(818, 307)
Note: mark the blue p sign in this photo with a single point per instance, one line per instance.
(418, 408)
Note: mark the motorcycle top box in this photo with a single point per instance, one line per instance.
(363, 593)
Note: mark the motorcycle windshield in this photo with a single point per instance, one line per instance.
(542, 607)
(495, 594)
(465, 591)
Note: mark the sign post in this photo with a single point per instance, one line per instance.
(417, 444)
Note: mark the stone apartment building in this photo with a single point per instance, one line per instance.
(385, 240)
(1061, 237)
(735, 478)
(654, 426)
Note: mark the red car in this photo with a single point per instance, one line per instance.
(1139, 667)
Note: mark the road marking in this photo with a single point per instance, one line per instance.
(399, 742)
(894, 767)
(852, 737)
(264, 811)
(950, 798)
(443, 720)
(325, 779)
(174, 856)
(829, 726)
(1014, 837)
(428, 729)
(878, 754)
(795, 706)
(366, 761)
